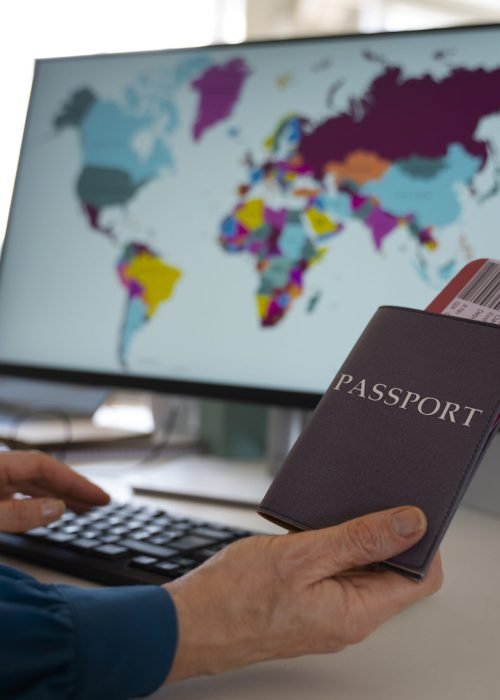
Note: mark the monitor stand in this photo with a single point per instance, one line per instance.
(284, 426)
(202, 477)
(165, 421)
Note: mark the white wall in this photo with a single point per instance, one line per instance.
(32, 29)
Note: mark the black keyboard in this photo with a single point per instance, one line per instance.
(122, 544)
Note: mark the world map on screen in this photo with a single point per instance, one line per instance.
(392, 159)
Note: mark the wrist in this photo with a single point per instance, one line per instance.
(210, 640)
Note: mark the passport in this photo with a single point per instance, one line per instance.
(405, 421)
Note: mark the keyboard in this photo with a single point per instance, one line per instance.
(121, 544)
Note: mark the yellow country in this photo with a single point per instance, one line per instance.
(262, 304)
(157, 279)
(320, 222)
(251, 214)
(318, 255)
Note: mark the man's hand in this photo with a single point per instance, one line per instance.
(51, 485)
(281, 596)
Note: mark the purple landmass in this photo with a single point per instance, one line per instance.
(134, 288)
(276, 217)
(381, 224)
(219, 88)
(93, 215)
(404, 117)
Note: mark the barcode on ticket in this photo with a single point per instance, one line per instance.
(484, 287)
(480, 297)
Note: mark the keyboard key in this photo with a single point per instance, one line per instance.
(60, 537)
(142, 516)
(143, 562)
(161, 539)
(93, 515)
(110, 551)
(142, 511)
(109, 539)
(134, 524)
(151, 550)
(140, 535)
(68, 516)
(152, 529)
(213, 533)
(38, 532)
(161, 522)
(165, 567)
(190, 542)
(71, 529)
(84, 544)
(119, 530)
(184, 562)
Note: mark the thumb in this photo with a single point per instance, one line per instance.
(19, 515)
(369, 539)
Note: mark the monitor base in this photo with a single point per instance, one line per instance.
(207, 479)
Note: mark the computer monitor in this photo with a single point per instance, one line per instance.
(224, 221)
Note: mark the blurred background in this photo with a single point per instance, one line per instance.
(32, 29)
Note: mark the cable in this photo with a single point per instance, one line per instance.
(155, 452)
(168, 430)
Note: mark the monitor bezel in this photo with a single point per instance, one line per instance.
(232, 392)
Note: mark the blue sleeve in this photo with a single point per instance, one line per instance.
(99, 644)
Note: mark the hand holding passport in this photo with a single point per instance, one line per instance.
(274, 597)
(406, 420)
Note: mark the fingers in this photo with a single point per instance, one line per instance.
(38, 491)
(371, 598)
(385, 594)
(396, 590)
(366, 540)
(19, 515)
(23, 470)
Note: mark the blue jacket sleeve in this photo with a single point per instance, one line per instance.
(63, 642)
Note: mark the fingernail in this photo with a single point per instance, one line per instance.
(52, 508)
(408, 521)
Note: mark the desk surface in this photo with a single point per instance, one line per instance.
(445, 648)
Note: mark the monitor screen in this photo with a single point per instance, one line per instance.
(226, 220)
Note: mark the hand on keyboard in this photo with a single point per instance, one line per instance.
(51, 485)
(116, 544)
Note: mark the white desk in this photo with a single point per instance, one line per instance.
(445, 648)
